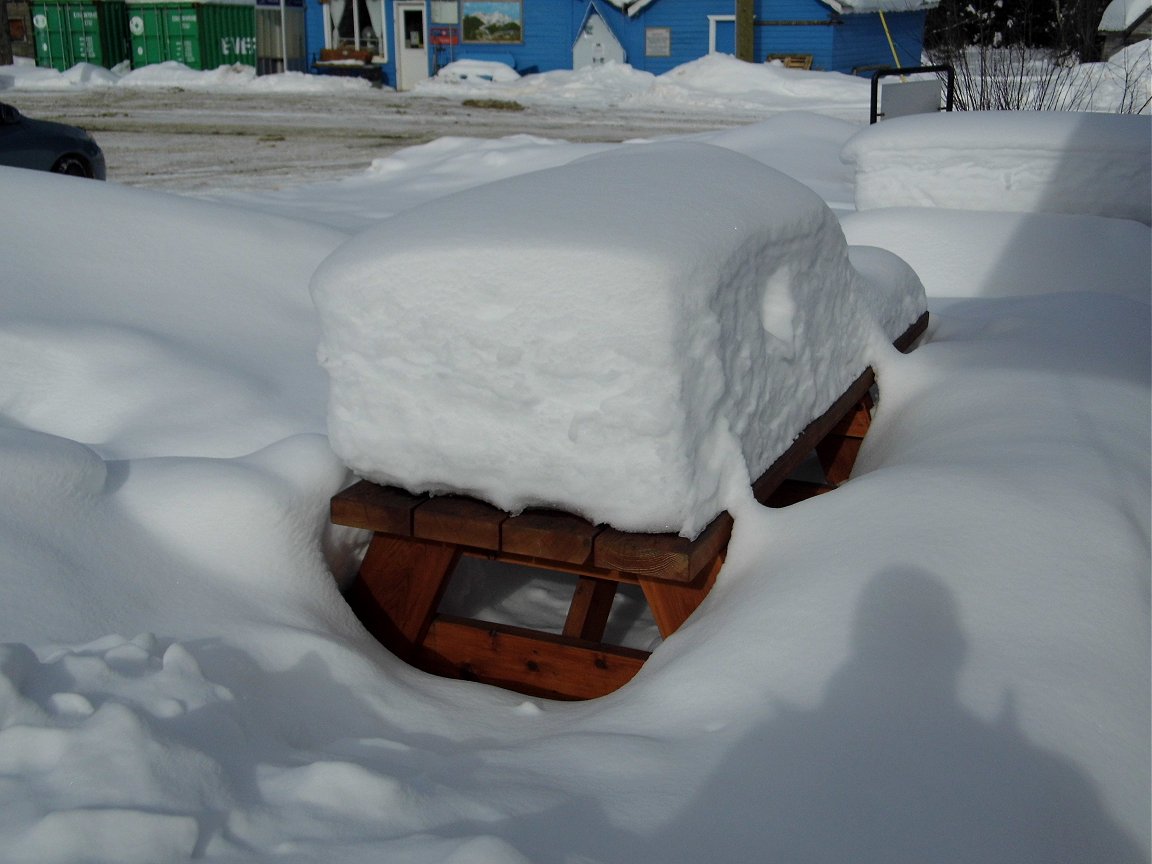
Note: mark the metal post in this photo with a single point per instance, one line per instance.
(284, 35)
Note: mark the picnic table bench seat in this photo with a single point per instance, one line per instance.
(419, 539)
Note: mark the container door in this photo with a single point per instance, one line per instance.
(146, 28)
(53, 48)
(181, 26)
(411, 41)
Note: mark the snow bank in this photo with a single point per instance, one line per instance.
(170, 74)
(533, 342)
(1059, 162)
(972, 254)
(167, 306)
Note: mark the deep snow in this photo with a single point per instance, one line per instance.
(946, 659)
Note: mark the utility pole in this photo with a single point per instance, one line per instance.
(745, 26)
(5, 36)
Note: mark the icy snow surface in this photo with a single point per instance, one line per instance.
(945, 660)
(638, 364)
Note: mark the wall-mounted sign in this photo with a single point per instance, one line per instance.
(658, 42)
(444, 36)
(492, 21)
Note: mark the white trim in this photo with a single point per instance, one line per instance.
(713, 20)
(398, 9)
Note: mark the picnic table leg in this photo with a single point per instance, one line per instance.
(837, 451)
(588, 614)
(399, 587)
(671, 603)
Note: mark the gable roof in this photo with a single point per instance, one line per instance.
(1124, 15)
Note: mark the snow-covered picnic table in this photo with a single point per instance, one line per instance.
(607, 350)
(619, 357)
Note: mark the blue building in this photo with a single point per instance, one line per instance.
(411, 39)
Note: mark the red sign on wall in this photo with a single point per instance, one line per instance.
(444, 36)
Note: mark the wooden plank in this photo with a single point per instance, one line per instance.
(793, 491)
(555, 566)
(551, 535)
(662, 556)
(837, 455)
(857, 422)
(838, 450)
(591, 605)
(539, 664)
(907, 340)
(671, 604)
(377, 508)
(398, 589)
(459, 520)
(807, 440)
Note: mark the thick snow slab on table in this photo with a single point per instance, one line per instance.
(579, 338)
(1044, 162)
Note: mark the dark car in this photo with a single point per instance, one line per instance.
(47, 146)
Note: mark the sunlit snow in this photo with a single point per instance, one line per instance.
(947, 659)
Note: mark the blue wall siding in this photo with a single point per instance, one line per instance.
(550, 28)
(861, 42)
(814, 39)
(313, 31)
(688, 22)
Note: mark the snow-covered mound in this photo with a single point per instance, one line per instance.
(1058, 162)
(484, 70)
(1019, 253)
(579, 338)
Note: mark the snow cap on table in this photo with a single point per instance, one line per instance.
(1029, 162)
(633, 336)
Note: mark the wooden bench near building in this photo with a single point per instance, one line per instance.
(349, 61)
(418, 540)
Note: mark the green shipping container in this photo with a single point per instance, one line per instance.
(199, 35)
(81, 31)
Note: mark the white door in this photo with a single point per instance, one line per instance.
(596, 44)
(411, 38)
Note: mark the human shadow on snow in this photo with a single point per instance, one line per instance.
(890, 768)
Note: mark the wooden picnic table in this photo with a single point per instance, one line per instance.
(418, 540)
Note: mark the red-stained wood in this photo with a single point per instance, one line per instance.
(459, 520)
(399, 587)
(671, 604)
(377, 508)
(813, 433)
(402, 580)
(551, 535)
(589, 610)
(662, 556)
(526, 661)
(838, 450)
